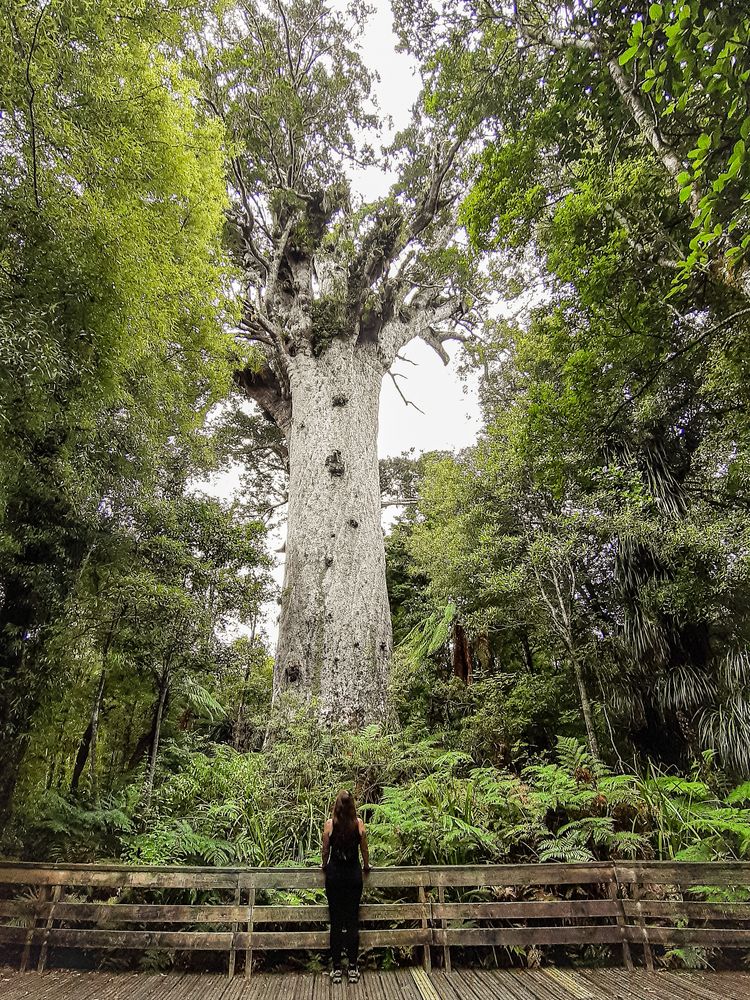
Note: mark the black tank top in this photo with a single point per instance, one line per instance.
(345, 850)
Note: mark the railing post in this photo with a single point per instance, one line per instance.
(56, 894)
(26, 955)
(249, 949)
(615, 896)
(647, 953)
(235, 928)
(444, 926)
(427, 955)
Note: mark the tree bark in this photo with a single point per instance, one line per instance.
(237, 728)
(154, 749)
(81, 757)
(528, 656)
(588, 715)
(13, 754)
(95, 733)
(335, 628)
(461, 654)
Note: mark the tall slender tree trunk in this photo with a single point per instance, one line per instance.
(154, 748)
(82, 755)
(237, 728)
(87, 746)
(95, 732)
(335, 627)
(461, 654)
(528, 656)
(588, 715)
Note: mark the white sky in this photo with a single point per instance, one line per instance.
(450, 417)
(451, 413)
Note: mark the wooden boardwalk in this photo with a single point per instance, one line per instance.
(405, 984)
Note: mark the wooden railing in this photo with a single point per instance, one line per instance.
(94, 907)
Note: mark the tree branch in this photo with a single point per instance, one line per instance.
(32, 96)
(408, 402)
(268, 392)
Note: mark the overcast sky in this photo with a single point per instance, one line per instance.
(450, 417)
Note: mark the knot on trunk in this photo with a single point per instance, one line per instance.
(292, 673)
(339, 400)
(335, 463)
(329, 560)
(353, 522)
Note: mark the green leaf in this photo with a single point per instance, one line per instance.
(629, 54)
(655, 11)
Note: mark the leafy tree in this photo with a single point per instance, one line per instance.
(332, 292)
(628, 376)
(111, 300)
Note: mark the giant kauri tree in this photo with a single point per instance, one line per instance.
(332, 293)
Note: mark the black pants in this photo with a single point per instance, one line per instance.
(344, 891)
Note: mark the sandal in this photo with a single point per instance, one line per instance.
(335, 975)
(353, 975)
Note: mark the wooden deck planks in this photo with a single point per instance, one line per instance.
(461, 984)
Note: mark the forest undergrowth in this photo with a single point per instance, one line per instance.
(426, 797)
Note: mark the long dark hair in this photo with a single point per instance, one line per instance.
(345, 826)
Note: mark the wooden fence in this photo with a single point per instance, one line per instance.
(650, 905)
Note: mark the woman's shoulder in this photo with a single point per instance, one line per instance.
(328, 825)
(360, 825)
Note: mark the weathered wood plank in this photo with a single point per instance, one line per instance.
(438, 910)
(62, 937)
(467, 984)
(425, 925)
(226, 878)
(502, 989)
(586, 934)
(527, 910)
(108, 913)
(594, 872)
(411, 937)
(235, 928)
(546, 987)
(406, 984)
(249, 931)
(719, 937)
(685, 873)
(424, 984)
(648, 957)
(614, 890)
(686, 908)
(444, 984)
(574, 985)
(479, 986)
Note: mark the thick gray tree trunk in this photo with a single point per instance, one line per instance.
(335, 630)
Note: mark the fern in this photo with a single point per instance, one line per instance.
(566, 847)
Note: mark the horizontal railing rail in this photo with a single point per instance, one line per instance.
(92, 907)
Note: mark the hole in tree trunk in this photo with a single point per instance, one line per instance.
(339, 401)
(335, 463)
(292, 673)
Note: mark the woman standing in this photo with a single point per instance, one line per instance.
(344, 836)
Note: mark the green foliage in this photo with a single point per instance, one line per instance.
(695, 65)
(112, 303)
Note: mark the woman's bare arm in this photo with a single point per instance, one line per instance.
(364, 847)
(326, 850)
